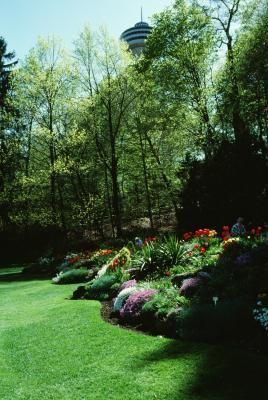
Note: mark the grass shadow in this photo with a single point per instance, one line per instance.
(220, 373)
(231, 374)
(16, 275)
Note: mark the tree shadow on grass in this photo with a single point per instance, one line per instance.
(220, 372)
(231, 374)
(19, 276)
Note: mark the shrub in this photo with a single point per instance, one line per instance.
(123, 296)
(101, 257)
(172, 251)
(163, 303)
(147, 259)
(189, 286)
(117, 264)
(155, 258)
(100, 288)
(72, 276)
(133, 305)
(128, 284)
(229, 321)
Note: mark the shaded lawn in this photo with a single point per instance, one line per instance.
(53, 348)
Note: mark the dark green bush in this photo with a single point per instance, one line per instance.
(101, 288)
(228, 321)
(72, 276)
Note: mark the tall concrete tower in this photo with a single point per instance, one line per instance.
(135, 36)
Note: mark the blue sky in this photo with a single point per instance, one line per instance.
(23, 21)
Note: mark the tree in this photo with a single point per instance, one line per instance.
(178, 53)
(6, 65)
(9, 141)
(226, 13)
(45, 86)
(105, 83)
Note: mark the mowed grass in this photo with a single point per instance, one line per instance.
(54, 348)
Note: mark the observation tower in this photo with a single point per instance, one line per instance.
(135, 36)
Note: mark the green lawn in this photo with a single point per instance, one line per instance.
(54, 348)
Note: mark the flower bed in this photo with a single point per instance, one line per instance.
(175, 286)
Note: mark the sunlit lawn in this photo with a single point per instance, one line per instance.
(54, 348)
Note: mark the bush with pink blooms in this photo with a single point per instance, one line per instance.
(128, 284)
(132, 307)
(190, 286)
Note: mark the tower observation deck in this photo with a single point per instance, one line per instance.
(135, 36)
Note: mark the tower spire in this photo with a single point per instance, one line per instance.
(141, 15)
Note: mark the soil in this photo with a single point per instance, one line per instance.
(108, 316)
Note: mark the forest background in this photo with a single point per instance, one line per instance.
(95, 142)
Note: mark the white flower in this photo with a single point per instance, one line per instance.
(123, 296)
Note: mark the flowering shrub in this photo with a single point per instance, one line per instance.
(70, 261)
(121, 258)
(260, 314)
(230, 242)
(149, 239)
(189, 286)
(123, 296)
(134, 303)
(101, 257)
(72, 258)
(199, 233)
(225, 232)
(117, 264)
(128, 284)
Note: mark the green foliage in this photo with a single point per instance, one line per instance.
(155, 258)
(72, 276)
(164, 302)
(172, 251)
(229, 321)
(100, 258)
(101, 288)
(164, 148)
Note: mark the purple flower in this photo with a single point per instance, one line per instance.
(128, 284)
(134, 303)
(189, 286)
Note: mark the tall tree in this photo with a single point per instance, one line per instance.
(178, 53)
(104, 81)
(46, 84)
(9, 141)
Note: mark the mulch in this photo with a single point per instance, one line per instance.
(108, 316)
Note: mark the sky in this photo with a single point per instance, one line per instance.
(23, 21)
